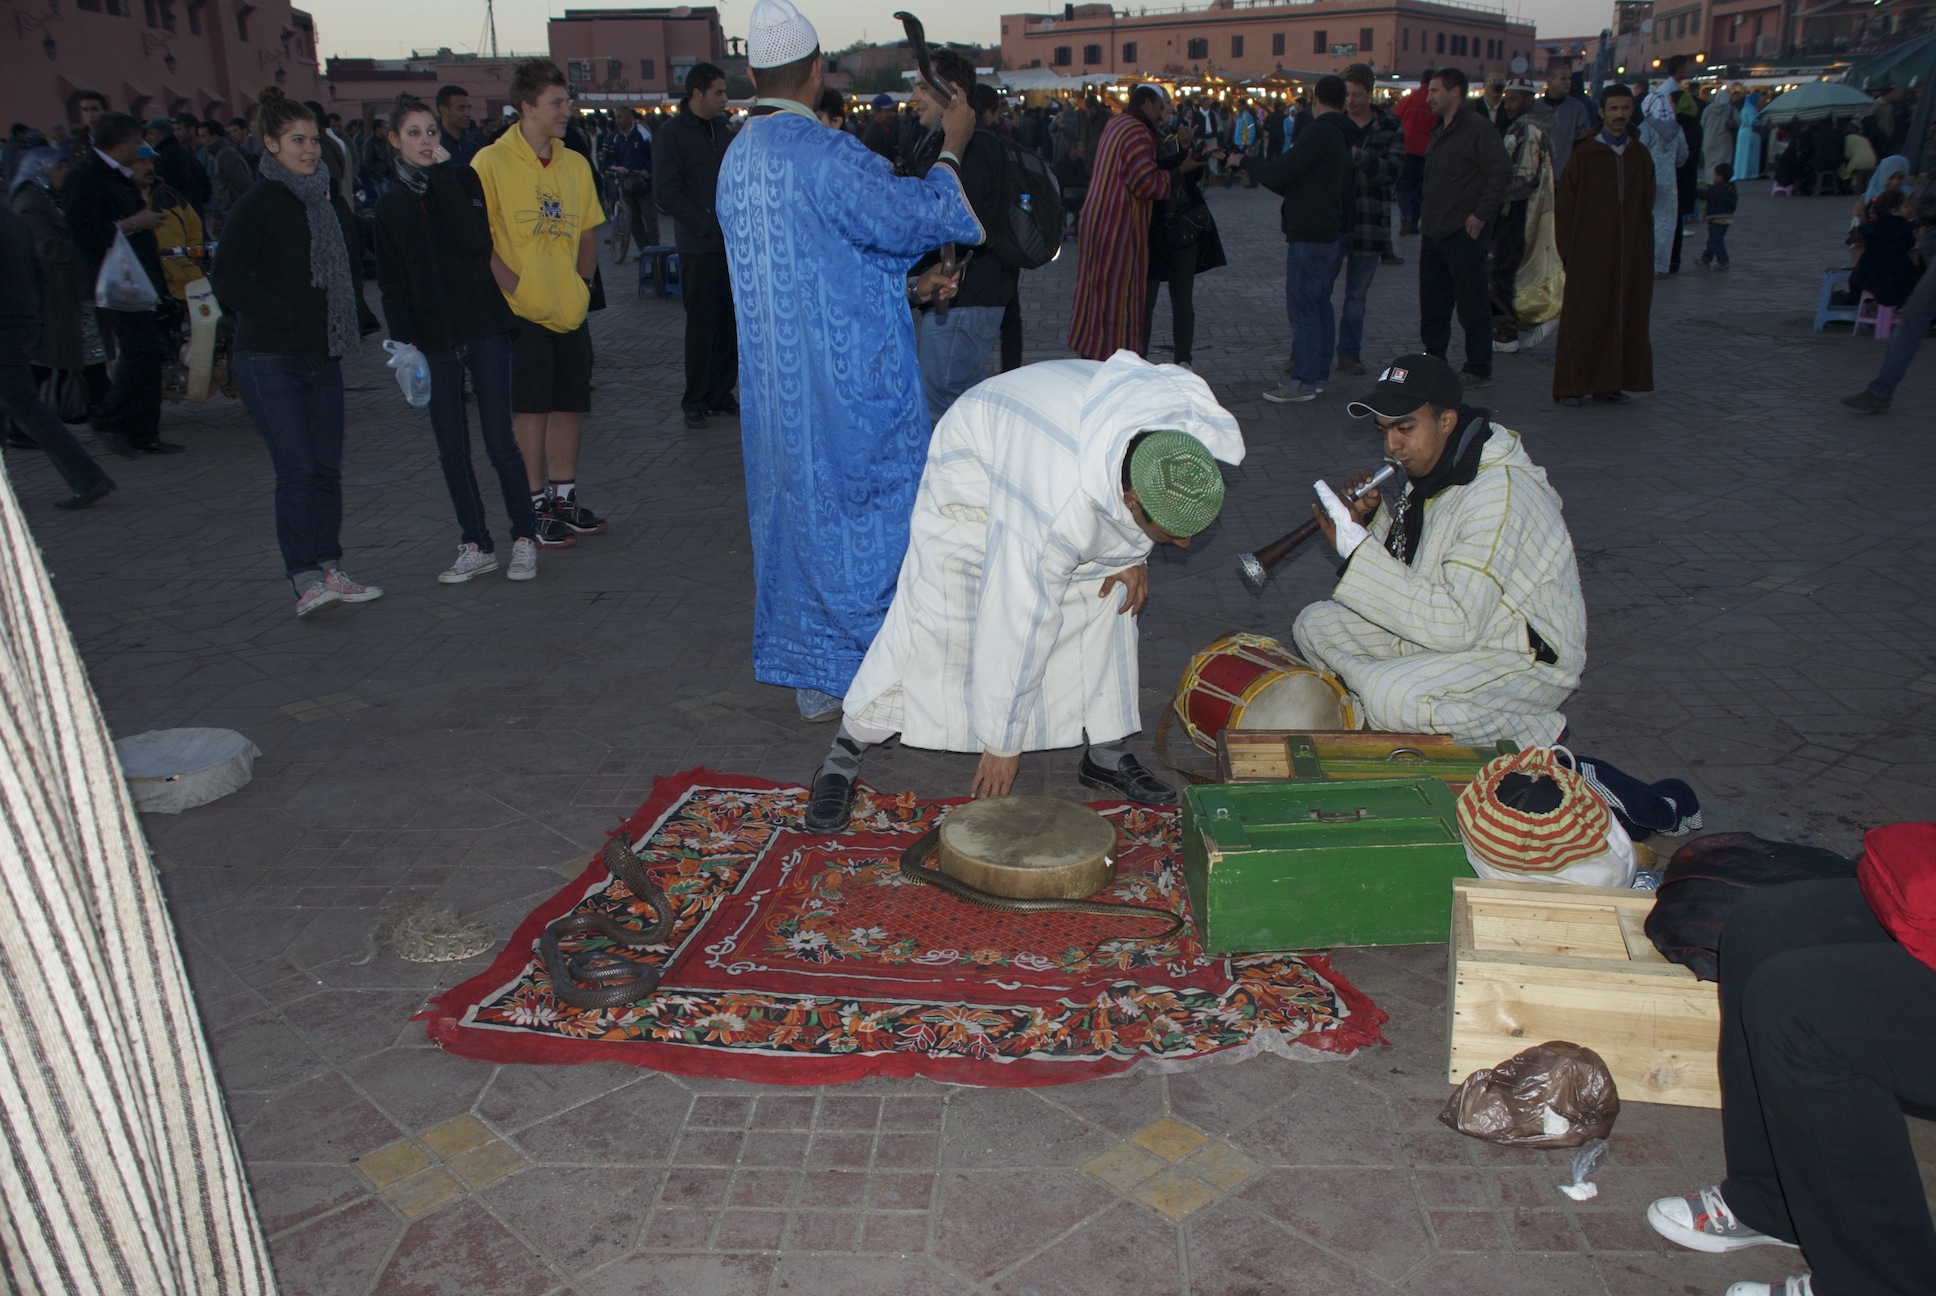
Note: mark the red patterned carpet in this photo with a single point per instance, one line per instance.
(806, 959)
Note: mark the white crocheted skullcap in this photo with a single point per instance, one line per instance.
(779, 34)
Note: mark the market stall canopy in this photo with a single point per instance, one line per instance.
(1024, 79)
(1906, 64)
(1817, 99)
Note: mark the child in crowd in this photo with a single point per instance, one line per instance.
(1721, 200)
(1886, 265)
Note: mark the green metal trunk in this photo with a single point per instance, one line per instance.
(1282, 866)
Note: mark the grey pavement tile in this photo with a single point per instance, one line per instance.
(1025, 1212)
(337, 1253)
(1127, 1249)
(1233, 1250)
(1370, 1214)
(653, 1273)
(459, 1251)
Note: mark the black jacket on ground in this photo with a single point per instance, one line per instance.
(261, 273)
(1315, 179)
(686, 153)
(96, 195)
(987, 282)
(433, 263)
(183, 172)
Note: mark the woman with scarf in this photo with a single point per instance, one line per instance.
(284, 271)
(1747, 140)
(66, 294)
(433, 263)
(1890, 176)
(1668, 148)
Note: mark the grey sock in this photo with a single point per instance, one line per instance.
(844, 756)
(1108, 755)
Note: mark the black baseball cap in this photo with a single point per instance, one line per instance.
(1407, 383)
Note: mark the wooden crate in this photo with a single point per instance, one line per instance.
(1538, 961)
(1275, 755)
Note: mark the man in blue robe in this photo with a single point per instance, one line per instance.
(820, 235)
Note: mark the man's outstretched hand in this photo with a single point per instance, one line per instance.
(995, 776)
(1135, 583)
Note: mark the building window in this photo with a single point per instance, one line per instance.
(1277, 43)
(168, 15)
(1199, 47)
(241, 22)
(1035, 62)
(614, 69)
(152, 11)
(648, 69)
(1129, 51)
(1317, 41)
(1236, 47)
(94, 6)
(195, 18)
(1405, 38)
(1005, 32)
(1365, 39)
(1061, 57)
(579, 70)
(1441, 42)
(1091, 54)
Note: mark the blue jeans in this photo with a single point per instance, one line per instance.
(1912, 326)
(1410, 190)
(1717, 244)
(1309, 271)
(1359, 269)
(489, 362)
(20, 401)
(954, 352)
(297, 405)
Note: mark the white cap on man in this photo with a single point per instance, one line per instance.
(778, 34)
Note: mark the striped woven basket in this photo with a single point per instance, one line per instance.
(1516, 841)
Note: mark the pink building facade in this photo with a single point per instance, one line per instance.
(616, 51)
(152, 57)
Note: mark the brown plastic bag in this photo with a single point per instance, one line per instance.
(1557, 1095)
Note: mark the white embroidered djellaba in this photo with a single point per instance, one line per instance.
(997, 639)
(1440, 646)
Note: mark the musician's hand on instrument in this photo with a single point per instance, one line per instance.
(995, 776)
(1366, 508)
(957, 123)
(1135, 583)
(1325, 529)
(1343, 530)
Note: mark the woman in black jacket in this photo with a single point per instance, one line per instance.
(433, 262)
(283, 269)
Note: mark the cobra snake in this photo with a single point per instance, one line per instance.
(914, 858)
(615, 979)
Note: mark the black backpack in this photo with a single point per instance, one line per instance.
(1028, 233)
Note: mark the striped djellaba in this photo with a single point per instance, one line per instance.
(121, 1174)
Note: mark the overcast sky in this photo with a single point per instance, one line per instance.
(384, 29)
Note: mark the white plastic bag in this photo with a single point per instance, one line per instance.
(1613, 867)
(413, 371)
(123, 284)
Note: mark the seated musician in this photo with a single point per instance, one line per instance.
(1013, 625)
(1459, 609)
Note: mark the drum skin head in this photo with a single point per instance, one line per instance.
(1028, 848)
(1302, 703)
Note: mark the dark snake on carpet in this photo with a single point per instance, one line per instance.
(615, 979)
(913, 868)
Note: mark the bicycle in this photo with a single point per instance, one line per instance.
(619, 238)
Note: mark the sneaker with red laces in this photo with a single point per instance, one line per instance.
(348, 588)
(576, 516)
(1705, 1222)
(315, 595)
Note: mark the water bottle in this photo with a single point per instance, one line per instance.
(413, 371)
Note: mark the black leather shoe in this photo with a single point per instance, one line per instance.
(832, 804)
(94, 494)
(1391, 258)
(696, 419)
(17, 442)
(724, 405)
(160, 447)
(1131, 781)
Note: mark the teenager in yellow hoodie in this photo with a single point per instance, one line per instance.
(542, 201)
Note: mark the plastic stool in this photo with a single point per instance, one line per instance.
(672, 280)
(1881, 320)
(1782, 190)
(1833, 278)
(652, 266)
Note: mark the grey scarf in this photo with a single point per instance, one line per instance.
(413, 177)
(329, 257)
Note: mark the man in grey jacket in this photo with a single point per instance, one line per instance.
(686, 153)
(1564, 115)
(1466, 177)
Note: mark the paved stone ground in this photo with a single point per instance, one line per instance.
(1759, 627)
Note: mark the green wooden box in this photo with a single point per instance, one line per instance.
(1283, 866)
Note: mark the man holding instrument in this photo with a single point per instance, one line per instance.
(1013, 626)
(1459, 608)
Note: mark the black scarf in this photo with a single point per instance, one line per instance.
(1457, 466)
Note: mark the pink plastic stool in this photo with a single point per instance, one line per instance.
(1882, 320)
(1783, 191)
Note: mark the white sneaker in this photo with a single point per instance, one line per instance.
(1535, 335)
(471, 561)
(315, 595)
(1793, 1287)
(348, 588)
(1506, 348)
(1704, 1222)
(524, 560)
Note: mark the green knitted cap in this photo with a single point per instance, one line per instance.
(1177, 481)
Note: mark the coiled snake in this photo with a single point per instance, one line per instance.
(914, 868)
(614, 979)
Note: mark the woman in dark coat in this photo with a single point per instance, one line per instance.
(1183, 243)
(65, 290)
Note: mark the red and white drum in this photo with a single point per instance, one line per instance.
(1245, 681)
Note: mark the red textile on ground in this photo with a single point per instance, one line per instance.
(804, 959)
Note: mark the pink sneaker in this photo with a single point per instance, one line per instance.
(348, 588)
(315, 595)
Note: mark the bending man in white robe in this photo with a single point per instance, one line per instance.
(1459, 610)
(1013, 626)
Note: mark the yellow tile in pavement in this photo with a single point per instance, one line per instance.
(1169, 1138)
(392, 1162)
(1223, 1167)
(1124, 1166)
(1176, 1194)
(423, 1192)
(458, 1135)
(487, 1164)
